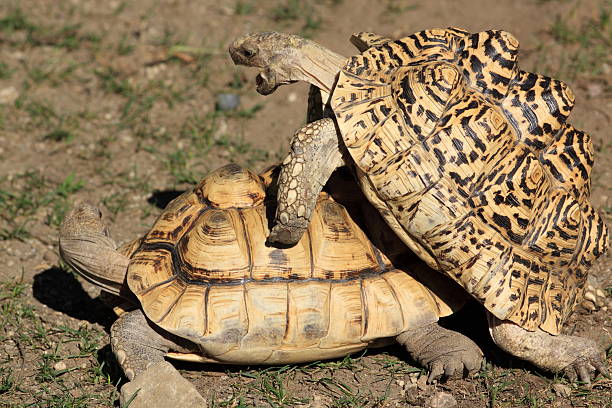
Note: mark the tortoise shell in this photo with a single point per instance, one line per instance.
(472, 163)
(203, 272)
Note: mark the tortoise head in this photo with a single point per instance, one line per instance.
(286, 58)
(86, 245)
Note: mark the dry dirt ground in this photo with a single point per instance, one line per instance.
(114, 102)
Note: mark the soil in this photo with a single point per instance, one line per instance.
(115, 103)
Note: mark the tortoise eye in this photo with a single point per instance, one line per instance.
(248, 52)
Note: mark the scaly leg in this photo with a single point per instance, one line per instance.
(443, 352)
(137, 345)
(315, 153)
(572, 355)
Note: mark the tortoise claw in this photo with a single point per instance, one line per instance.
(586, 367)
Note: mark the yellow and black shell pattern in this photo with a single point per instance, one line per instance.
(473, 164)
(204, 272)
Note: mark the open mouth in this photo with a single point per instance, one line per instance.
(266, 83)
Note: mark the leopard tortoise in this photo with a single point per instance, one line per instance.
(468, 158)
(208, 289)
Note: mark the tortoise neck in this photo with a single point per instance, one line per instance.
(319, 66)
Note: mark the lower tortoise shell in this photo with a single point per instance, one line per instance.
(204, 272)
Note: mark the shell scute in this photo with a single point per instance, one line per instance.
(537, 107)
(488, 62)
(216, 248)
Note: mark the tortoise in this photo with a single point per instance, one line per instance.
(206, 287)
(468, 158)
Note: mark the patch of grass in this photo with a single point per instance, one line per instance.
(111, 83)
(16, 20)
(494, 384)
(59, 135)
(41, 112)
(242, 8)
(5, 71)
(28, 193)
(247, 113)
(587, 42)
(293, 10)
(68, 36)
(124, 47)
(7, 381)
(179, 164)
(116, 202)
(394, 8)
(43, 345)
(287, 10)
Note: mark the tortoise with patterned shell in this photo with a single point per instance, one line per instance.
(206, 287)
(468, 159)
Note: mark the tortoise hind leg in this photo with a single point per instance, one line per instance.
(575, 356)
(137, 345)
(443, 352)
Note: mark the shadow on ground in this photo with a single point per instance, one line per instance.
(61, 291)
(162, 198)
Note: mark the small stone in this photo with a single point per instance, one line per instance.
(590, 296)
(227, 101)
(589, 306)
(441, 400)
(422, 383)
(161, 386)
(59, 366)
(562, 390)
(50, 257)
(8, 95)
(292, 97)
(595, 89)
(319, 401)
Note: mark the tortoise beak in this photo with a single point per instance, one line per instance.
(266, 82)
(244, 52)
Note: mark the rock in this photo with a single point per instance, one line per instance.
(227, 101)
(319, 401)
(562, 390)
(422, 383)
(441, 400)
(595, 89)
(161, 386)
(59, 366)
(8, 95)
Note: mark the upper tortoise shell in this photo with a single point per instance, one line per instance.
(204, 272)
(472, 163)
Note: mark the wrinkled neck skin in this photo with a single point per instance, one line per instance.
(318, 66)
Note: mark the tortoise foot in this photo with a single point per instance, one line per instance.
(445, 353)
(588, 363)
(576, 357)
(137, 345)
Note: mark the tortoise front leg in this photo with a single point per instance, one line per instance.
(443, 352)
(137, 345)
(575, 356)
(315, 154)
